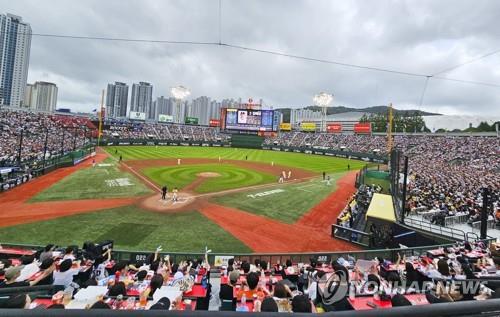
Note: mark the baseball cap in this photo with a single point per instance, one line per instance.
(234, 276)
(12, 271)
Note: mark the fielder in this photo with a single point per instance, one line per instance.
(179, 161)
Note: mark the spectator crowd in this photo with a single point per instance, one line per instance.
(462, 272)
(114, 129)
(446, 173)
(36, 128)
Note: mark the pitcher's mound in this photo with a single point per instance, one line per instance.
(208, 174)
(155, 203)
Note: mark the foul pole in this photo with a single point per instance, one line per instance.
(99, 133)
(389, 130)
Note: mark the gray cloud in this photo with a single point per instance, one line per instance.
(417, 36)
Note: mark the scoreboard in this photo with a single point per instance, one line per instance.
(250, 120)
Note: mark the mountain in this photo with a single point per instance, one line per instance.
(374, 110)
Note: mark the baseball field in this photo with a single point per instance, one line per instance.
(233, 200)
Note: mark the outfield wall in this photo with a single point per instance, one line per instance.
(368, 157)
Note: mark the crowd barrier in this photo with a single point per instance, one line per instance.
(351, 235)
(391, 254)
(452, 220)
(490, 223)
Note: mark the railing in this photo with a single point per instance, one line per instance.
(429, 227)
(471, 308)
(489, 223)
(351, 235)
(452, 220)
(326, 256)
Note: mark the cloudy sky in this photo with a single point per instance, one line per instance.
(417, 36)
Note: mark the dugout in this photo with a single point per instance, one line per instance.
(387, 232)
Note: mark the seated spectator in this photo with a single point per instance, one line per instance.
(63, 277)
(13, 272)
(230, 265)
(156, 283)
(245, 267)
(18, 301)
(400, 300)
(48, 264)
(47, 252)
(100, 305)
(227, 290)
(269, 305)
(118, 289)
(69, 254)
(162, 304)
(301, 304)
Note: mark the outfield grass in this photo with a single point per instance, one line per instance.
(314, 163)
(131, 229)
(230, 177)
(287, 206)
(90, 183)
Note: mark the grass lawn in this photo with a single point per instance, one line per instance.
(287, 205)
(230, 177)
(90, 183)
(131, 229)
(314, 163)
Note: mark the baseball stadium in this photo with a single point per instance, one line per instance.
(381, 200)
(293, 205)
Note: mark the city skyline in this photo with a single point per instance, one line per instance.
(406, 38)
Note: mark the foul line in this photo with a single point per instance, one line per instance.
(140, 176)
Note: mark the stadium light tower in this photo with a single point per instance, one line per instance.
(179, 93)
(323, 100)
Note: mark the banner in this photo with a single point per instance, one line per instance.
(364, 127)
(214, 122)
(165, 118)
(334, 127)
(308, 126)
(137, 116)
(191, 120)
(285, 126)
(221, 260)
(223, 118)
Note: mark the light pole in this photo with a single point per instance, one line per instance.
(20, 150)
(45, 146)
(323, 100)
(179, 93)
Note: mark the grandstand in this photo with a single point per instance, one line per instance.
(398, 254)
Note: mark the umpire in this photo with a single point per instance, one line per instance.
(164, 191)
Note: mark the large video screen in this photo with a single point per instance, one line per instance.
(250, 120)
